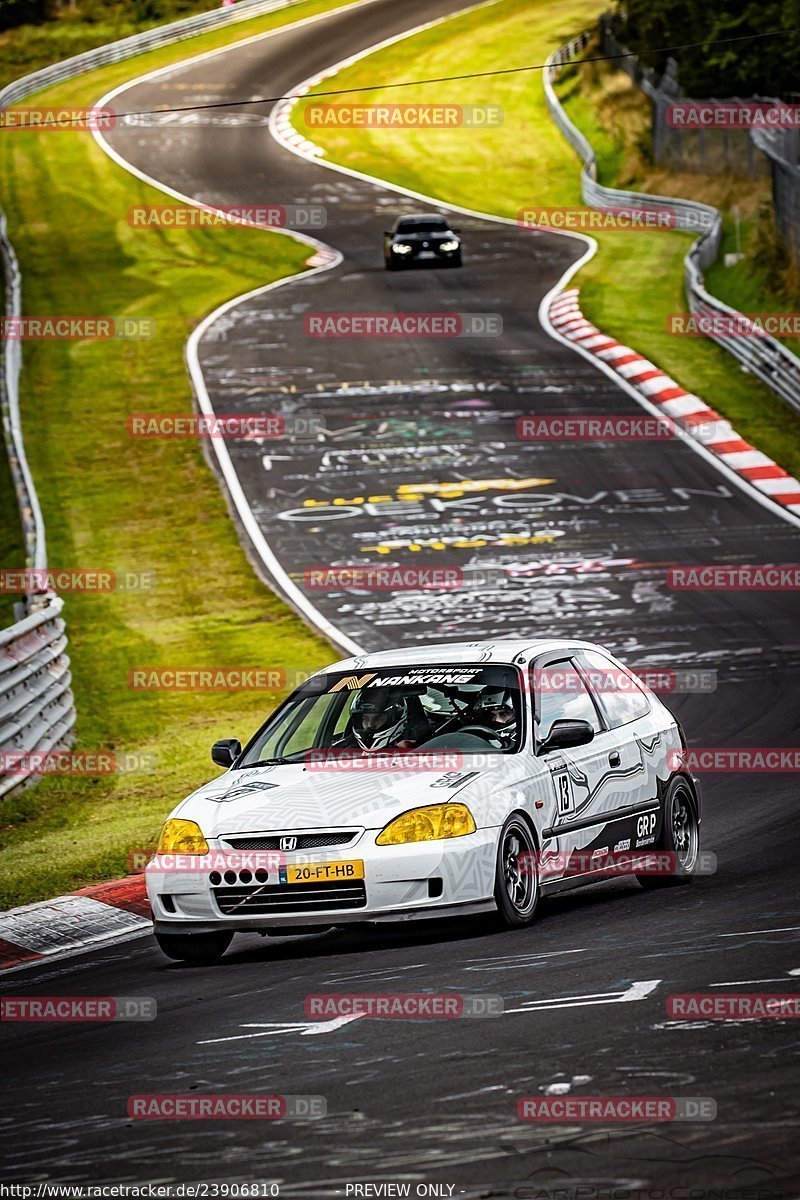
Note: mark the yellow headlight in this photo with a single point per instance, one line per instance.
(428, 824)
(182, 837)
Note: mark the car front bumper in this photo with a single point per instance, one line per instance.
(400, 883)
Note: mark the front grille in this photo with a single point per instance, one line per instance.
(305, 841)
(291, 898)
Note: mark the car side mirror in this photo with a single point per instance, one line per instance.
(387, 233)
(565, 734)
(225, 752)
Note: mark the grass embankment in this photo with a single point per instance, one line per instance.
(636, 278)
(12, 545)
(87, 24)
(125, 504)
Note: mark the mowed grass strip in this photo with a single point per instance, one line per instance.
(128, 504)
(636, 278)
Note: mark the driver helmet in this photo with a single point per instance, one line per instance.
(495, 709)
(380, 719)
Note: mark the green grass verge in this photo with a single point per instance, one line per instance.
(12, 545)
(636, 278)
(93, 23)
(116, 502)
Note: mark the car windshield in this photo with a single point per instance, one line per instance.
(425, 225)
(463, 707)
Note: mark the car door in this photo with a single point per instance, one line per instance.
(626, 711)
(589, 783)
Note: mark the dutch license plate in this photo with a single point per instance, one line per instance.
(322, 872)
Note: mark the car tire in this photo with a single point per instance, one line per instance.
(516, 889)
(680, 836)
(194, 947)
(456, 262)
(391, 265)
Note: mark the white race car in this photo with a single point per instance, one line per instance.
(446, 780)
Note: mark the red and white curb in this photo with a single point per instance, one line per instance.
(74, 922)
(684, 408)
(283, 119)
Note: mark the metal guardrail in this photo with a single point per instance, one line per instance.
(30, 512)
(759, 354)
(37, 711)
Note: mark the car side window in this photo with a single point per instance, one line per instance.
(561, 695)
(620, 697)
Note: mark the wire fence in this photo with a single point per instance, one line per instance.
(703, 149)
(782, 148)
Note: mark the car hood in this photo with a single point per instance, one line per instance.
(295, 797)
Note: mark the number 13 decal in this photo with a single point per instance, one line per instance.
(563, 792)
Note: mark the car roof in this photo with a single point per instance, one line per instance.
(511, 650)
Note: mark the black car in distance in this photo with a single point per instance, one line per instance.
(424, 239)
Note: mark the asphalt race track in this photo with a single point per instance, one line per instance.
(435, 1101)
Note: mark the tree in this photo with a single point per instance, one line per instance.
(22, 12)
(757, 66)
